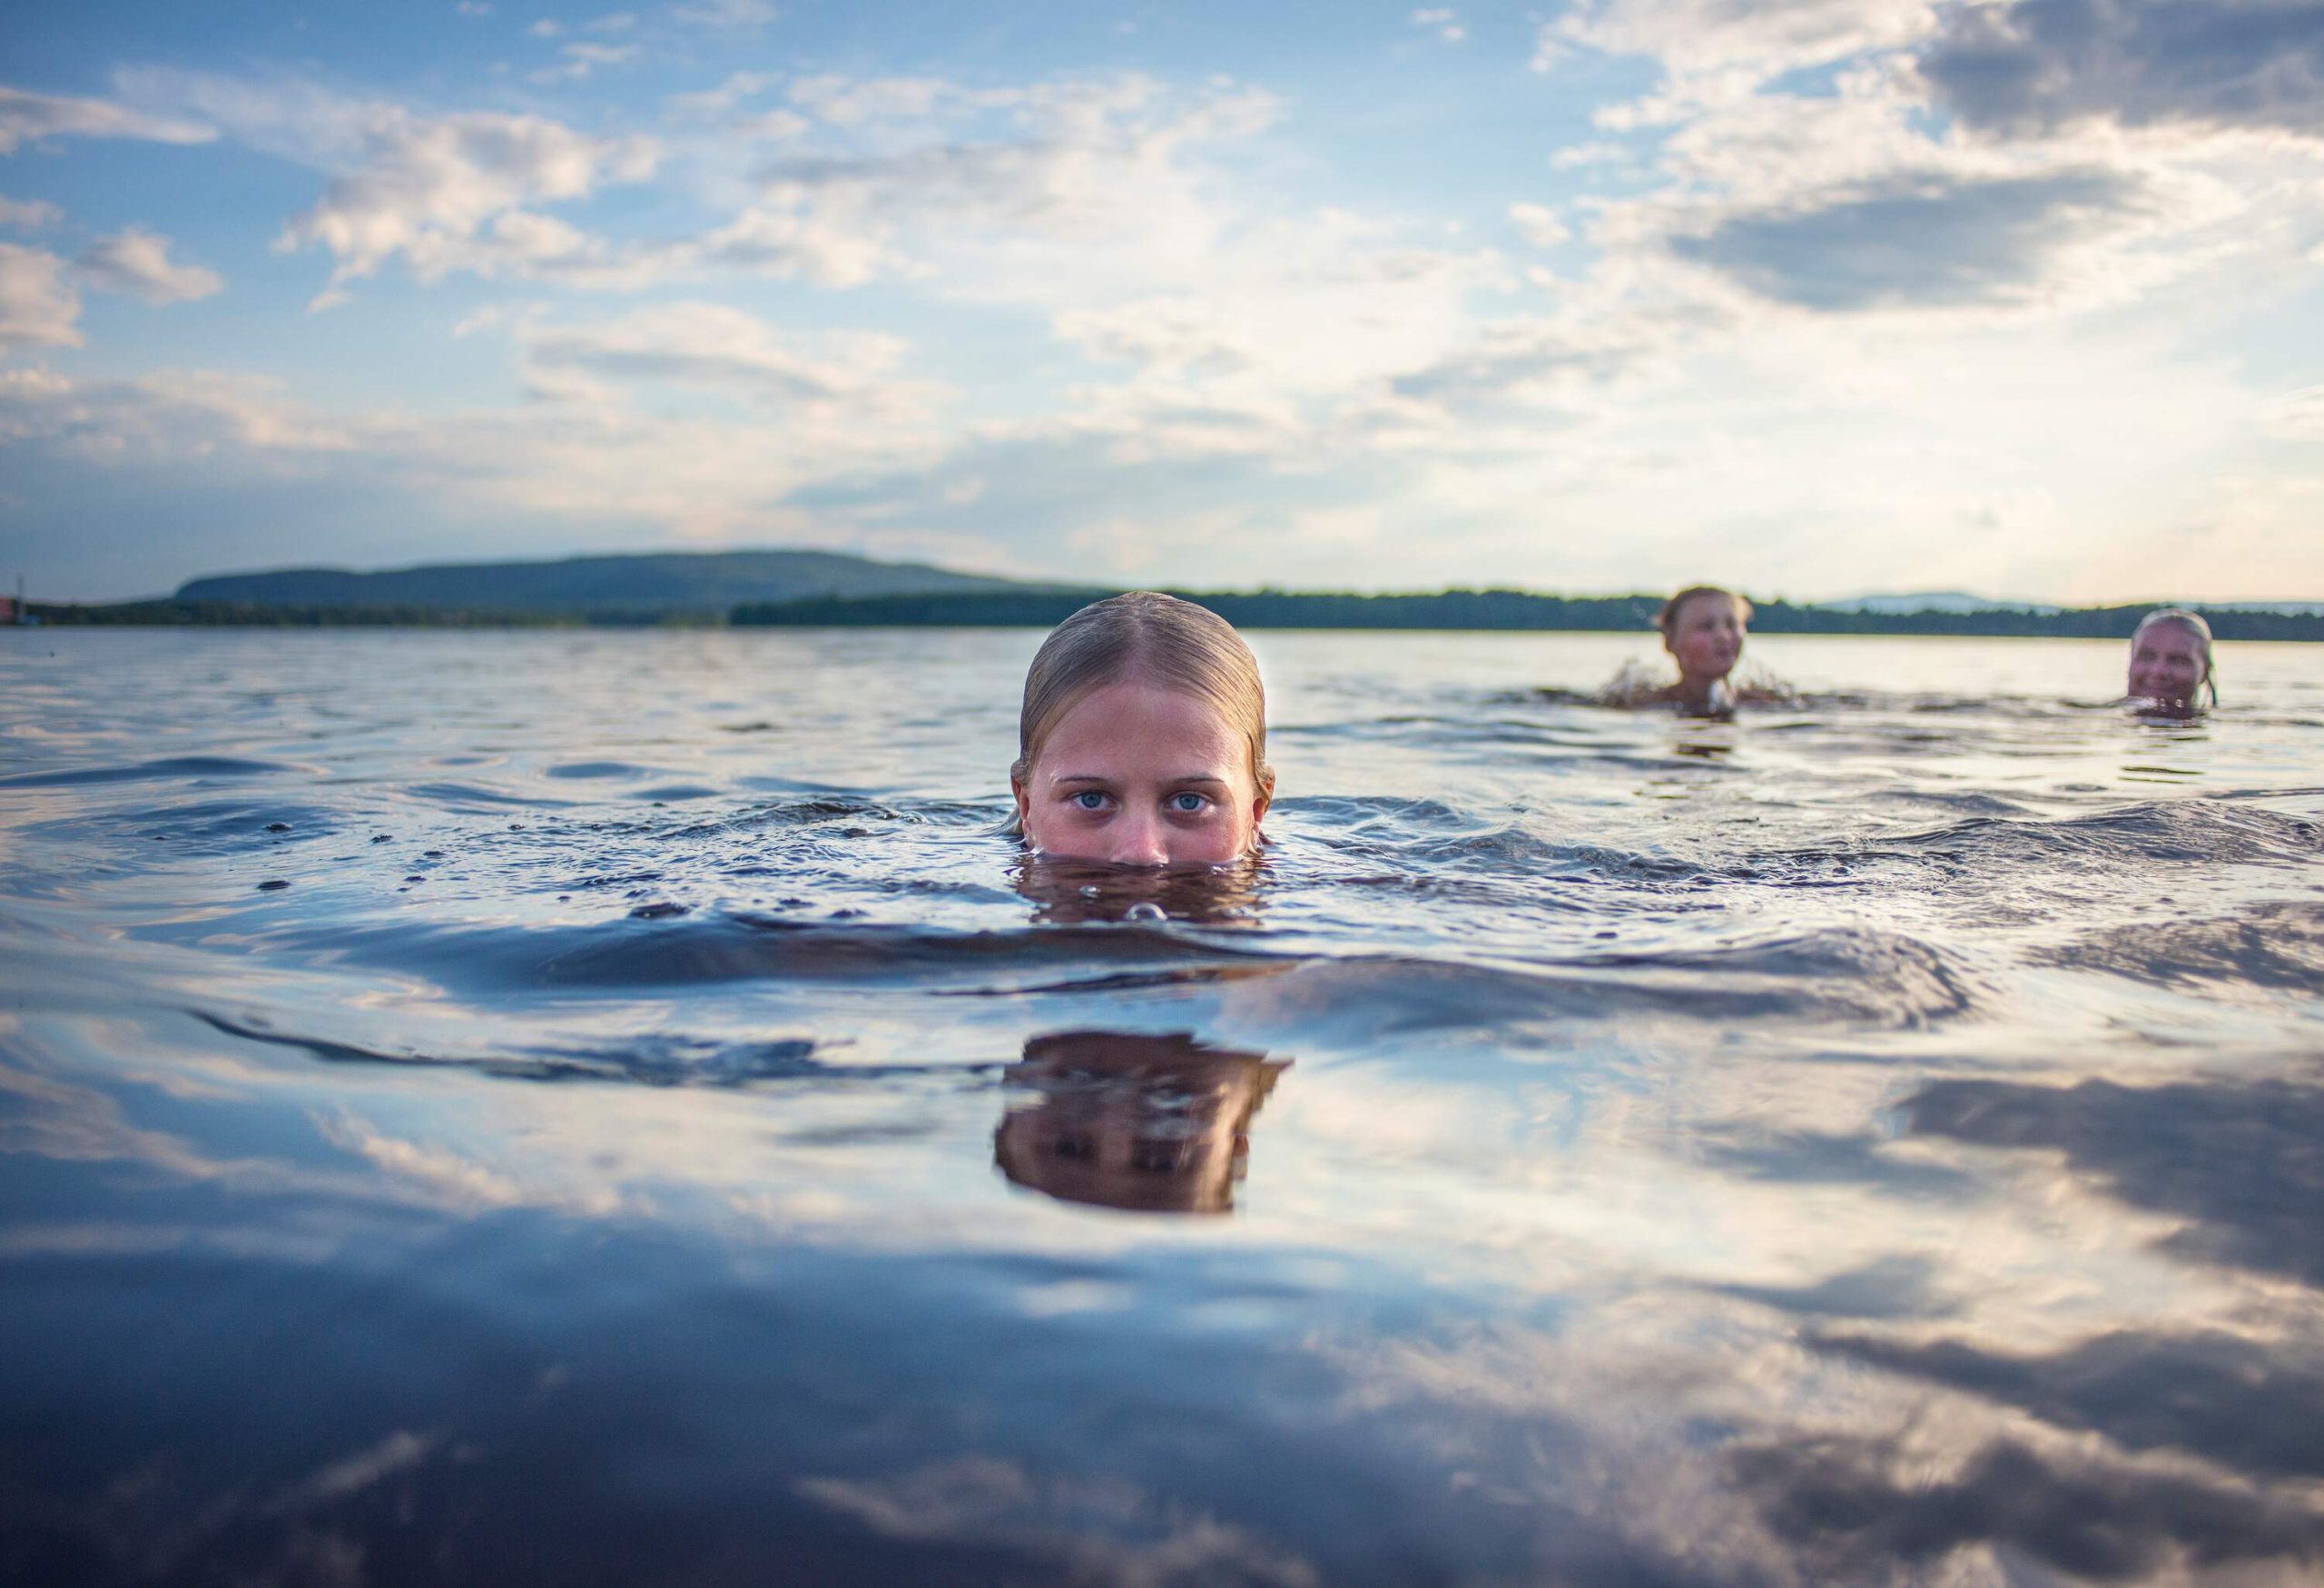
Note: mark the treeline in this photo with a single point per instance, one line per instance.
(1493, 610)
(1042, 608)
(248, 615)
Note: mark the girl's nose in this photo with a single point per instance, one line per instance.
(1139, 841)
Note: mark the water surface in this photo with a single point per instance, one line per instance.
(613, 1107)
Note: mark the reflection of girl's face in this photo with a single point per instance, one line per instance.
(1135, 773)
(2167, 664)
(1705, 636)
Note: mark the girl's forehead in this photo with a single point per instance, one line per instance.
(1696, 606)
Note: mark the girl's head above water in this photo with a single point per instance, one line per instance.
(1143, 739)
(1702, 628)
(2171, 657)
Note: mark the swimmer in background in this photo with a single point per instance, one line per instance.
(1150, 1124)
(1142, 741)
(2171, 661)
(1702, 627)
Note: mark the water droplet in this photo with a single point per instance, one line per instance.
(1145, 910)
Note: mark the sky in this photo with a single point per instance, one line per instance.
(1814, 298)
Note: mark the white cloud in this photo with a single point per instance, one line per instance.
(38, 304)
(1577, 156)
(30, 116)
(576, 61)
(1721, 49)
(794, 243)
(449, 194)
(1101, 187)
(28, 213)
(850, 102)
(1444, 22)
(1539, 225)
(726, 14)
(772, 127)
(474, 8)
(709, 346)
(711, 102)
(138, 263)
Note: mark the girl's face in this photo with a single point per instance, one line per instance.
(1705, 636)
(1138, 774)
(2167, 664)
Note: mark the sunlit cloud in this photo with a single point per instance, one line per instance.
(27, 117)
(138, 263)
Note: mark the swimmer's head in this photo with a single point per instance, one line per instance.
(1702, 628)
(1143, 738)
(2171, 657)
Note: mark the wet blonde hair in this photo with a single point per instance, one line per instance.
(1666, 619)
(2193, 623)
(1150, 637)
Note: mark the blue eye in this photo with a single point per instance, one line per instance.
(1089, 799)
(1188, 803)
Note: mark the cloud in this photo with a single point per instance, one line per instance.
(711, 102)
(28, 213)
(1446, 22)
(711, 346)
(726, 14)
(850, 102)
(449, 194)
(2040, 65)
(30, 116)
(1858, 1508)
(1578, 156)
(138, 263)
(1100, 186)
(1537, 224)
(2246, 1403)
(577, 60)
(1722, 48)
(1067, 1528)
(37, 305)
(1933, 242)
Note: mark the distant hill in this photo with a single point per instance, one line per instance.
(664, 584)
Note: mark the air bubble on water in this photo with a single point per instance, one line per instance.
(1145, 910)
(1089, 890)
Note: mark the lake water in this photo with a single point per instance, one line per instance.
(611, 1107)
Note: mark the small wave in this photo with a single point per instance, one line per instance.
(595, 769)
(471, 798)
(697, 949)
(176, 766)
(1852, 975)
(2278, 946)
(2198, 830)
(654, 1060)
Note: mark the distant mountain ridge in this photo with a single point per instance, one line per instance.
(660, 584)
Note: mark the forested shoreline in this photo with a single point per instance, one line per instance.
(1453, 610)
